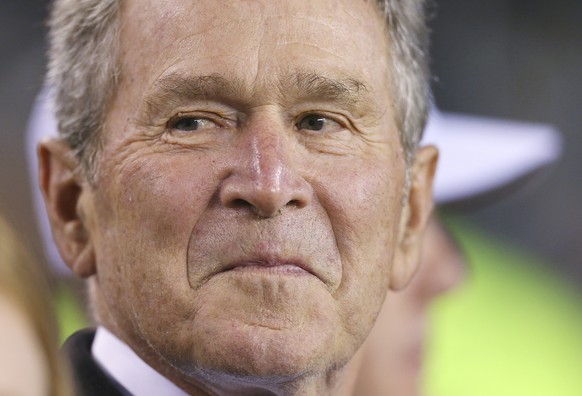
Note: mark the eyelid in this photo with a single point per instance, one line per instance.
(220, 121)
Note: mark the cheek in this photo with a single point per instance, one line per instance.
(364, 206)
(162, 196)
(145, 220)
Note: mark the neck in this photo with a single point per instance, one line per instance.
(335, 382)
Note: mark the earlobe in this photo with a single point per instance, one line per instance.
(62, 188)
(414, 218)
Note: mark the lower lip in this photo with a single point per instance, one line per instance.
(285, 269)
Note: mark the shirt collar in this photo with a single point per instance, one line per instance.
(123, 365)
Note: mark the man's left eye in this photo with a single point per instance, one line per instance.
(317, 122)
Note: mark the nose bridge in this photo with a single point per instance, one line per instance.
(268, 159)
(452, 273)
(265, 177)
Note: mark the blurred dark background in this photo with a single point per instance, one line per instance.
(22, 64)
(519, 59)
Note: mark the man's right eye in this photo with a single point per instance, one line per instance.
(189, 124)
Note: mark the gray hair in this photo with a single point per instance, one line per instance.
(409, 45)
(84, 70)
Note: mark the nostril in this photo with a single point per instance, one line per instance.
(249, 192)
(295, 203)
(239, 203)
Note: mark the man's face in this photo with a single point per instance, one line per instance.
(247, 204)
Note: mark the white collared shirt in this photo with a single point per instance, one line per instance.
(121, 363)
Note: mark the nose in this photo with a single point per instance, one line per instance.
(264, 179)
(452, 273)
(443, 265)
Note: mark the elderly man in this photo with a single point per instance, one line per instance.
(239, 182)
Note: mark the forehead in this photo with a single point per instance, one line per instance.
(253, 40)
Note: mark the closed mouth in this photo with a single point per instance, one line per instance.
(271, 266)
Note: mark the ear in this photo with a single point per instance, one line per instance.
(414, 219)
(63, 188)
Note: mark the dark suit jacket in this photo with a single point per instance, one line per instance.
(89, 378)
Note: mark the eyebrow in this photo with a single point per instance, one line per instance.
(175, 89)
(319, 86)
(350, 92)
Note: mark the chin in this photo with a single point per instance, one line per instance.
(257, 354)
(259, 351)
(259, 329)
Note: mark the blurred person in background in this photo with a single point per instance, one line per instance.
(29, 360)
(514, 327)
(395, 349)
